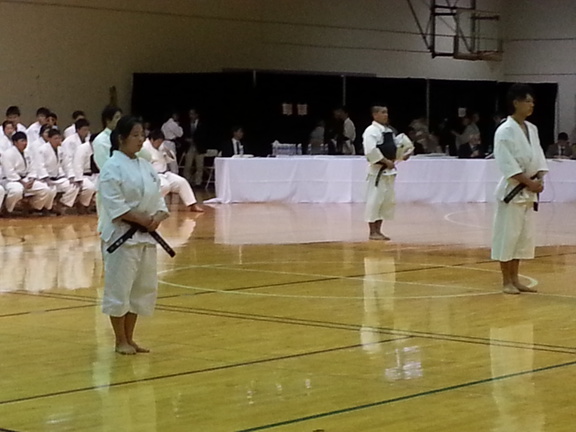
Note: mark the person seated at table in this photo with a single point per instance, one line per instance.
(234, 146)
(561, 149)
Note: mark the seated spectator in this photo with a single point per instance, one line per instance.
(234, 146)
(561, 149)
(71, 130)
(170, 182)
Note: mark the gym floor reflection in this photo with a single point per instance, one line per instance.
(285, 318)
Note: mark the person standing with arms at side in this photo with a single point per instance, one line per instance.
(380, 199)
(521, 160)
(197, 141)
(130, 193)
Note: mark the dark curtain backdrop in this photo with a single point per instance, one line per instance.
(254, 100)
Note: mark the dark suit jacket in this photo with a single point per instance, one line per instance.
(227, 148)
(199, 137)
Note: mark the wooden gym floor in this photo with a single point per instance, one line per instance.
(284, 318)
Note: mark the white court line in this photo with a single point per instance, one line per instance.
(448, 218)
(533, 282)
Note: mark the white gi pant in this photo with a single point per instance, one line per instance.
(513, 232)
(130, 279)
(40, 195)
(173, 183)
(69, 192)
(87, 189)
(381, 199)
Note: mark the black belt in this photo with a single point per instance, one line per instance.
(134, 227)
(88, 174)
(519, 188)
(55, 178)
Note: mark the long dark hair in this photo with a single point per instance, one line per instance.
(123, 129)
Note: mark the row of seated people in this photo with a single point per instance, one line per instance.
(57, 174)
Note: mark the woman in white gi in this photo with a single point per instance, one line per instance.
(521, 160)
(130, 192)
(169, 182)
(380, 199)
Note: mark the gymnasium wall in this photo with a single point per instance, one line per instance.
(67, 53)
(541, 47)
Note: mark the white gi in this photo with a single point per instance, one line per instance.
(172, 131)
(19, 128)
(350, 134)
(513, 234)
(33, 132)
(169, 182)
(70, 130)
(5, 143)
(130, 272)
(101, 146)
(381, 199)
(82, 169)
(71, 144)
(17, 167)
(59, 168)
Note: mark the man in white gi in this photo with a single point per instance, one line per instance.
(169, 181)
(380, 198)
(58, 166)
(21, 177)
(101, 144)
(172, 131)
(85, 173)
(71, 144)
(33, 132)
(71, 130)
(521, 160)
(349, 130)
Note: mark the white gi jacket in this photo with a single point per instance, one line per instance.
(127, 184)
(172, 130)
(33, 132)
(159, 158)
(71, 144)
(81, 163)
(515, 154)
(102, 147)
(56, 162)
(17, 166)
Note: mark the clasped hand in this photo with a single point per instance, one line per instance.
(536, 186)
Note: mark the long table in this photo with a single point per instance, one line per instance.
(341, 179)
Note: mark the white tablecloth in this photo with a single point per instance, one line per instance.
(341, 179)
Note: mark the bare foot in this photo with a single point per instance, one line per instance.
(196, 208)
(139, 349)
(125, 349)
(510, 289)
(377, 236)
(523, 288)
